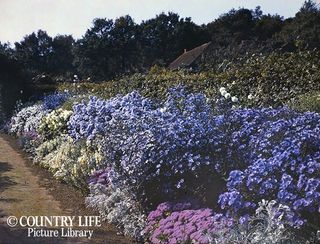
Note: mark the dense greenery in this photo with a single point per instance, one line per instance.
(259, 80)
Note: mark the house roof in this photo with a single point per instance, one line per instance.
(187, 58)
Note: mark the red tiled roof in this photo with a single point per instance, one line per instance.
(187, 58)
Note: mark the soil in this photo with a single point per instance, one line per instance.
(28, 190)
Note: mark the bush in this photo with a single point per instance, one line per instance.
(306, 102)
(54, 124)
(257, 80)
(53, 101)
(118, 206)
(158, 150)
(280, 160)
(27, 119)
(269, 224)
(183, 223)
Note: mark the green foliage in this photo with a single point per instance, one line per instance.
(274, 79)
(260, 80)
(306, 102)
(38, 53)
(304, 29)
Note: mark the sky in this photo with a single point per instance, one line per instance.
(21, 17)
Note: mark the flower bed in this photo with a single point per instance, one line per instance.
(137, 158)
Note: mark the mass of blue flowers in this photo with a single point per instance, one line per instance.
(146, 156)
(280, 152)
(54, 100)
(162, 149)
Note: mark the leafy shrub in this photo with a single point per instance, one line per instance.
(306, 102)
(257, 80)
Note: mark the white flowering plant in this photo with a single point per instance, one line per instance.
(269, 225)
(54, 124)
(27, 119)
(117, 206)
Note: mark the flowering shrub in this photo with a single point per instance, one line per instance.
(29, 141)
(118, 206)
(53, 101)
(280, 159)
(182, 223)
(140, 153)
(69, 161)
(47, 147)
(54, 123)
(157, 150)
(92, 118)
(27, 119)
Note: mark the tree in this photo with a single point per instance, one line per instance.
(12, 80)
(304, 29)
(232, 27)
(61, 58)
(267, 26)
(165, 37)
(93, 52)
(34, 51)
(124, 37)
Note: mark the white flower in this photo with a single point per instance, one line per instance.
(162, 110)
(227, 96)
(223, 93)
(222, 89)
(250, 96)
(234, 99)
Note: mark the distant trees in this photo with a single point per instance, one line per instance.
(164, 37)
(114, 47)
(304, 29)
(61, 57)
(39, 53)
(110, 48)
(12, 79)
(244, 24)
(33, 52)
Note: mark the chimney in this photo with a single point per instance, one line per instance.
(185, 50)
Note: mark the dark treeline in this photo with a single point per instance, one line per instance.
(115, 47)
(111, 48)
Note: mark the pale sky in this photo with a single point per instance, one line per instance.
(21, 17)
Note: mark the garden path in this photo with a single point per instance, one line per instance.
(27, 190)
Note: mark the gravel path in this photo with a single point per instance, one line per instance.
(27, 190)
